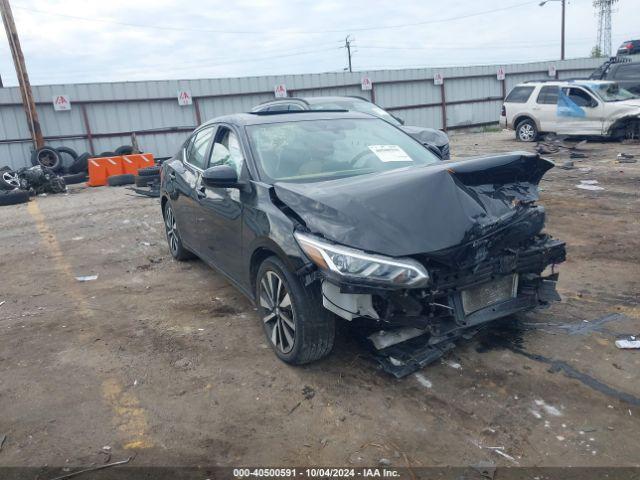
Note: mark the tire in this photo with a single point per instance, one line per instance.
(149, 171)
(176, 248)
(146, 181)
(47, 157)
(124, 150)
(80, 164)
(119, 180)
(74, 178)
(14, 197)
(526, 131)
(106, 154)
(9, 180)
(67, 157)
(304, 321)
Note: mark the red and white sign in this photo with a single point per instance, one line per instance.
(366, 83)
(184, 98)
(500, 73)
(552, 71)
(438, 79)
(61, 102)
(280, 90)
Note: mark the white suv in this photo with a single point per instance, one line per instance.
(574, 107)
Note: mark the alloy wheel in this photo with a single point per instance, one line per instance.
(47, 158)
(278, 314)
(11, 178)
(172, 231)
(526, 132)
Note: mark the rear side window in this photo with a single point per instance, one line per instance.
(628, 71)
(548, 95)
(197, 148)
(519, 95)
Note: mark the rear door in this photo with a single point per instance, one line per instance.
(545, 108)
(186, 179)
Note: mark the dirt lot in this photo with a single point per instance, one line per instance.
(168, 360)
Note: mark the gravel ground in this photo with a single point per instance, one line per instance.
(169, 361)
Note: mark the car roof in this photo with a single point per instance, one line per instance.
(244, 119)
(316, 100)
(579, 82)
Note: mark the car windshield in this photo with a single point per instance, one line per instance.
(356, 106)
(612, 92)
(315, 150)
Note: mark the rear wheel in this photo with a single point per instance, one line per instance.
(526, 131)
(296, 324)
(173, 236)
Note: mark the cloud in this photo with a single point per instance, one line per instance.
(61, 49)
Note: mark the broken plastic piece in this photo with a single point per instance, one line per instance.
(628, 343)
(87, 278)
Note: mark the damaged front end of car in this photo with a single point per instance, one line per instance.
(431, 254)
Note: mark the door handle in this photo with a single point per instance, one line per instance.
(201, 192)
(172, 176)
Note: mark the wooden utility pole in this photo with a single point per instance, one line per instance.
(21, 71)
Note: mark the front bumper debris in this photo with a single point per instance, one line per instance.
(417, 326)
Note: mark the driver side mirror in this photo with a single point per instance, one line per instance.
(221, 176)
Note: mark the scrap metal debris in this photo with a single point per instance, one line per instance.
(626, 158)
(2, 439)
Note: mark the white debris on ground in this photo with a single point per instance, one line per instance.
(550, 409)
(422, 380)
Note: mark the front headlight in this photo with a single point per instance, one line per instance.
(357, 265)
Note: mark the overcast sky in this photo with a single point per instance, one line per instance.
(73, 41)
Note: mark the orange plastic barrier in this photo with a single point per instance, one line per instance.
(103, 167)
(97, 172)
(142, 160)
(129, 165)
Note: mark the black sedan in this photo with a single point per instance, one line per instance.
(319, 215)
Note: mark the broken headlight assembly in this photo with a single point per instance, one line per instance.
(358, 266)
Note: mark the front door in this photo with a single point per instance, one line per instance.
(579, 113)
(219, 214)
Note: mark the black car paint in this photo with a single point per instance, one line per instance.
(468, 222)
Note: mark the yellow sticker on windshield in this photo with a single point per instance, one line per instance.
(390, 153)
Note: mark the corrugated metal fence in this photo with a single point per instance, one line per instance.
(103, 115)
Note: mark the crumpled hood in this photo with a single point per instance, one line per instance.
(431, 135)
(419, 210)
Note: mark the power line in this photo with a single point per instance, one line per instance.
(261, 32)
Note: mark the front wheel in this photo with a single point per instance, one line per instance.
(296, 324)
(526, 131)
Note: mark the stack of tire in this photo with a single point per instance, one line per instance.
(66, 162)
(148, 177)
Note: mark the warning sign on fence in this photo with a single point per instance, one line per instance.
(280, 91)
(438, 79)
(500, 74)
(184, 97)
(61, 102)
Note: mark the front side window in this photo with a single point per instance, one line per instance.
(579, 97)
(315, 150)
(227, 151)
(548, 95)
(197, 148)
(519, 95)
